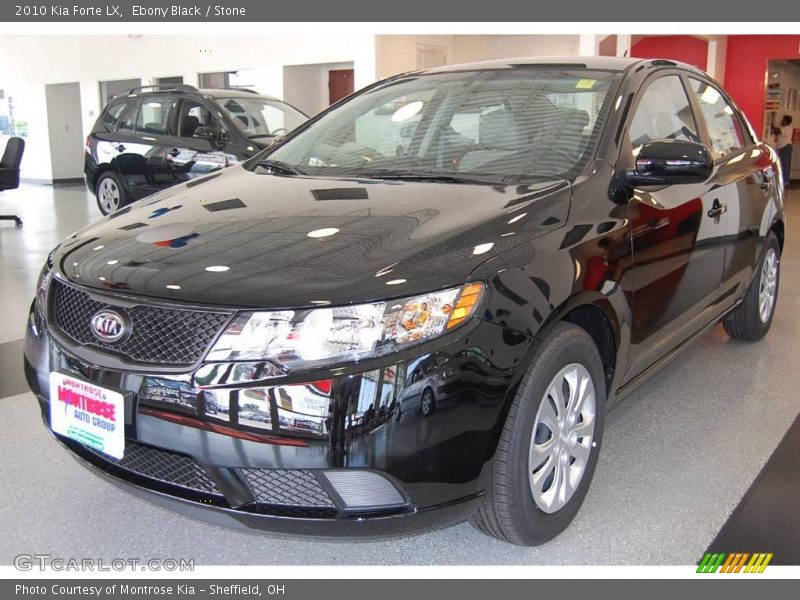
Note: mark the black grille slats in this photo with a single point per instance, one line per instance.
(296, 488)
(160, 335)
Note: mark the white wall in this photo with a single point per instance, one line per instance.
(398, 53)
(90, 59)
(306, 86)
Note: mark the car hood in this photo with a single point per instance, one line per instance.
(240, 238)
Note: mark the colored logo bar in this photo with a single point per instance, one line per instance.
(735, 562)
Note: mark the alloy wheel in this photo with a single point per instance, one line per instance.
(109, 195)
(563, 434)
(768, 284)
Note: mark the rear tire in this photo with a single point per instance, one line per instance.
(110, 193)
(751, 320)
(538, 437)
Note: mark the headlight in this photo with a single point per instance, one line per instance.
(325, 335)
(41, 290)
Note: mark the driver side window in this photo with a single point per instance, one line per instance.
(664, 113)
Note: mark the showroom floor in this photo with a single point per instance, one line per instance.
(679, 456)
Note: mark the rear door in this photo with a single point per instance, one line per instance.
(744, 169)
(678, 232)
(140, 146)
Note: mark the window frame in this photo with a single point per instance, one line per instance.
(626, 148)
(747, 138)
(168, 124)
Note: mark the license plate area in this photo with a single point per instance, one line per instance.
(88, 413)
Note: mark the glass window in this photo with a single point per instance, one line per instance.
(492, 124)
(663, 113)
(194, 115)
(261, 117)
(112, 114)
(724, 128)
(154, 115)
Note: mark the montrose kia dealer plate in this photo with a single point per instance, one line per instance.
(88, 413)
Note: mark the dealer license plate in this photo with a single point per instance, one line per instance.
(88, 413)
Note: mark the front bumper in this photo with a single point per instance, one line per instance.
(322, 455)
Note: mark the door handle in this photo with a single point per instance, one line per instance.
(174, 152)
(716, 209)
(120, 147)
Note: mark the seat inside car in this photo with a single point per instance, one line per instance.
(188, 125)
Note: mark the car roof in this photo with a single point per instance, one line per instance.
(235, 93)
(599, 63)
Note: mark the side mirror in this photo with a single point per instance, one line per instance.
(212, 134)
(670, 162)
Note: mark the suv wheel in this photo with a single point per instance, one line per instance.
(751, 320)
(549, 446)
(110, 193)
(428, 403)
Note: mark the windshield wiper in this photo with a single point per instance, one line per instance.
(279, 166)
(393, 175)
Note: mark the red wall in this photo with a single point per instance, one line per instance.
(746, 69)
(684, 48)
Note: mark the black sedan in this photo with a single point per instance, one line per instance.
(549, 233)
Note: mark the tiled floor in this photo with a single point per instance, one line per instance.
(678, 455)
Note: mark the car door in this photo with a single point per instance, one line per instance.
(744, 168)
(189, 156)
(678, 232)
(140, 146)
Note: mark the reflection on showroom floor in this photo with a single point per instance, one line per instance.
(678, 456)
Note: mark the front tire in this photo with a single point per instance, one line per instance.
(427, 403)
(550, 443)
(110, 193)
(751, 320)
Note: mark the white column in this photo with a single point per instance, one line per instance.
(588, 44)
(623, 44)
(711, 59)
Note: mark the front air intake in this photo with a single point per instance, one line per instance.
(365, 491)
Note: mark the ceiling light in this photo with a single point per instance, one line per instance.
(321, 233)
(112, 262)
(406, 112)
(321, 302)
(172, 286)
(517, 218)
(483, 248)
(507, 234)
(396, 281)
(98, 247)
(217, 269)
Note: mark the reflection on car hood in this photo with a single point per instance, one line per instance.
(245, 239)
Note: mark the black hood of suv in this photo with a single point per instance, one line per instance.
(394, 238)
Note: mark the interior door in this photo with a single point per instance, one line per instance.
(678, 234)
(340, 84)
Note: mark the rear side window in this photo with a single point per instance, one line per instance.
(153, 115)
(112, 114)
(724, 128)
(664, 113)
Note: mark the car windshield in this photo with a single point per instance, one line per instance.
(261, 117)
(496, 125)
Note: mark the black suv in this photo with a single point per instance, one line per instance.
(540, 236)
(151, 138)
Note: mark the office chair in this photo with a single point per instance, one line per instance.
(9, 171)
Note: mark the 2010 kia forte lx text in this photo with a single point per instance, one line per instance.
(416, 308)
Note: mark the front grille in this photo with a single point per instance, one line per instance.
(289, 493)
(149, 465)
(159, 335)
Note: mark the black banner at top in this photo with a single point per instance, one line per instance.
(397, 11)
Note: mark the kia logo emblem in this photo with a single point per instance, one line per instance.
(108, 326)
